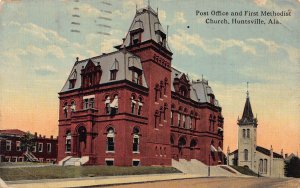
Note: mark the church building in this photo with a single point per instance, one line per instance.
(130, 107)
(260, 160)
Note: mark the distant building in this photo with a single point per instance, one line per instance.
(131, 107)
(258, 159)
(44, 149)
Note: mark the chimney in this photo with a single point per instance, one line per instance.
(51, 137)
(286, 155)
(35, 134)
(40, 136)
(44, 136)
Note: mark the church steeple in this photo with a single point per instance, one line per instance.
(247, 117)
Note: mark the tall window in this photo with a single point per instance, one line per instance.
(107, 105)
(161, 89)
(65, 108)
(244, 133)
(91, 102)
(86, 104)
(113, 74)
(191, 122)
(49, 147)
(156, 91)
(110, 139)
(68, 141)
(140, 105)
(265, 165)
(114, 105)
(183, 120)
(34, 147)
(133, 102)
(179, 119)
(248, 133)
(136, 140)
(246, 154)
(73, 106)
(261, 165)
(135, 38)
(8, 145)
(40, 147)
(18, 145)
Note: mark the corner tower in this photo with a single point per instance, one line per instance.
(247, 136)
(147, 39)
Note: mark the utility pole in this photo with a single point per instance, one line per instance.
(209, 165)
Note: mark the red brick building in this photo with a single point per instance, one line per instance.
(131, 107)
(44, 149)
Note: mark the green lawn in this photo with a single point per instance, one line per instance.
(52, 172)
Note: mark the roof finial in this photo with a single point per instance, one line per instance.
(77, 58)
(148, 3)
(247, 90)
(136, 8)
(202, 77)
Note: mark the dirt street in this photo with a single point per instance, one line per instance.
(220, 182)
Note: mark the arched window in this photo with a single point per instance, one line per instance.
(179, 119)
(261, 165)
(110, 139)
(140, 105)
(248, 133)
(114, 105)
(161, 89)
(265, 165)
(133, 102)
(244, 133)
(73, 106)
(156, 91)
(181, 142)
(68, 141)
(136, 140)
(165, 87)
(193, 143)
(246, 154)
(107, 104)
(172, 140)
(65, 108)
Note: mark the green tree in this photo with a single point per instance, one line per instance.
(27, 142)
(292, 167)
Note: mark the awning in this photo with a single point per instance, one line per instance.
(213, 149)
(220, 149)
(114, 104)
(107, 101)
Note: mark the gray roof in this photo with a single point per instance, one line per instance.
(200, 89)
(146, 19)
(119, 60)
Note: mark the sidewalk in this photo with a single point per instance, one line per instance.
(99, 181)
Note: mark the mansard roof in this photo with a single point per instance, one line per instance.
(200, 90)
(118, 60)
(146, 20)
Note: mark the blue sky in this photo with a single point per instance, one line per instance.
(38, 50)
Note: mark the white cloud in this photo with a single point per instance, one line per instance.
(108, 44)
(45, 70)
(179, 18)
(56, 51)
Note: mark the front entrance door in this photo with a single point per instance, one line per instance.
(81, 140)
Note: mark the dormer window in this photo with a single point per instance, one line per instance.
(135, 38)
(72, 79)
(113, 74)
(114, 69)
(160, 35)
(137, 77)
